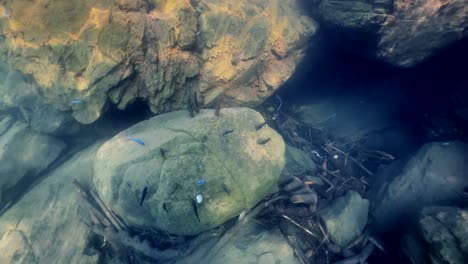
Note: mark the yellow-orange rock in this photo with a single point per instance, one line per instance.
(81, 56)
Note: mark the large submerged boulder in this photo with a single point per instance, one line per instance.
(152, 173)
(48, 225)
(24, 153)
(404, 32)
(434, 175)
(78, 57)
(445, 229)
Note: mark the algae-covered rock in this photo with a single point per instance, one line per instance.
(238, 164)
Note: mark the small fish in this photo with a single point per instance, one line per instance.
(199, 199)
(195, 209)
(226, 189)
(236, 59)
(277, 112)
(198, 33)
(139, 141)
(201, 182)
(217, 108)
(242, 215)
(143, 195)
(199, 166)
(263, 141)
(165, 208)
(260, 126)
(228, 132)
(6, 13)
(196, 106)
(163, 153)
(76, 102)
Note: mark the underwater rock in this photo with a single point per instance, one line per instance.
(19, 94)
(346, 218)
(23, 152)
(348, 117)
(434, 175)
(47, 225)
(297, 162)
(403, 33)
(251, 244)
(82, 57)
(445, 229)
(198, 172)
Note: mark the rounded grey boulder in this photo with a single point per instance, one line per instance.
(151, 173)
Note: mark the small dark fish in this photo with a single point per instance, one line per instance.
(228, 132)
(226, 189)
(163, 153)
(143, 195)
(196, 106)
(277, 112)
(260, 126)
(263, 141)
(190, 109)
(165, 208)
(217, 108)
(236, 59)
(139, 141)
(204, 139)
(195, 209)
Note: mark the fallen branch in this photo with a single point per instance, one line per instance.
(300, 226)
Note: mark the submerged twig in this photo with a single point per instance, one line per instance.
(300, 226)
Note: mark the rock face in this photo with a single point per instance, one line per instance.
(47, 225)
(251, 244)
(406, 32)
(225, 159)
(23, 152)
(77, 58)
(346, 218)
(297, 161)
(445, 229)
(435, 175)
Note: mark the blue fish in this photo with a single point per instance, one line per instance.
(139, 141)
(76, 101)
(201, 182)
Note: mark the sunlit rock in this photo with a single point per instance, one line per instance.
(191, 174)
(81, 57)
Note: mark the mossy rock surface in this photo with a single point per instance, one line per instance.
(225, 151)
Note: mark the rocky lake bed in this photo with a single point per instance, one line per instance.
(208, 131)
